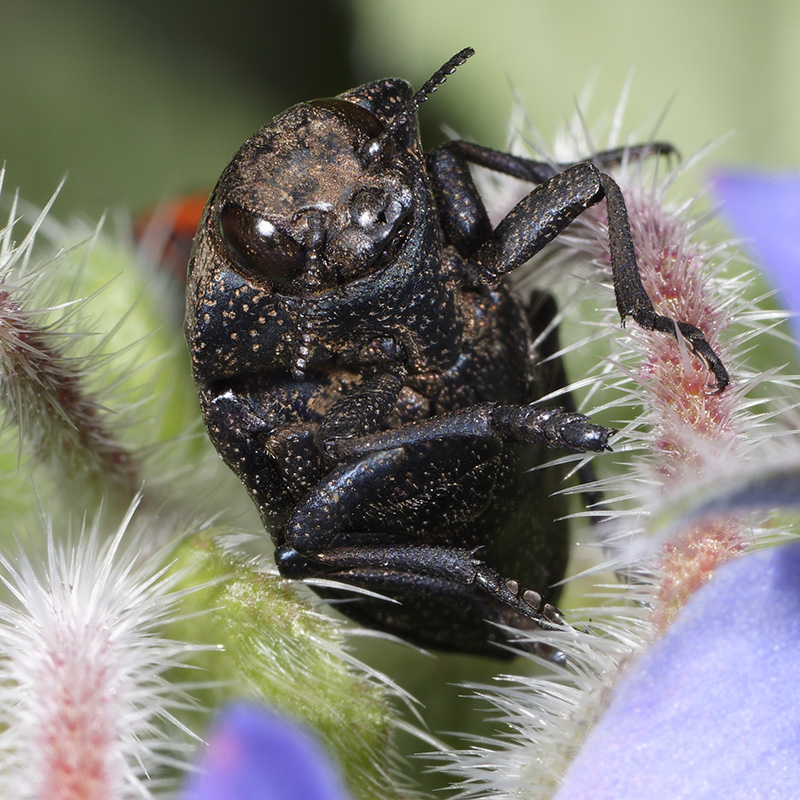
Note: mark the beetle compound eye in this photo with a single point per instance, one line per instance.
(375, 211)
(260, 247)
(377, 217)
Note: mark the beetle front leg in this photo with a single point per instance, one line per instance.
(547, 211)
(535, 221)
(461, 210)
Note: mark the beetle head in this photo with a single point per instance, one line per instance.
(301, 211)
(327, 210)
(320, 196)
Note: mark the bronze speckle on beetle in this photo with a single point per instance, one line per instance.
(365, 370)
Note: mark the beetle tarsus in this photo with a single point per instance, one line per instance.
(527, 602)
(555, 427)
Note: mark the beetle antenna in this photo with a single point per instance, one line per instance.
(374, 147)
(432, 84)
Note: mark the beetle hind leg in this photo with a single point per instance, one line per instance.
(419, 524)
(413, 580)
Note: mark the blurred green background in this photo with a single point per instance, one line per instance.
(138, 101)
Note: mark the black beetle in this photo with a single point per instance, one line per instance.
(365, 370)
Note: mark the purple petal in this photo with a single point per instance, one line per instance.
(765, 211)
(711, 710)
(254, 754)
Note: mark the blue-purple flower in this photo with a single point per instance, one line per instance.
(710, 710)
(765, 211)
(255, 754)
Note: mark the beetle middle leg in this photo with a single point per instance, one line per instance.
(554, 427)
